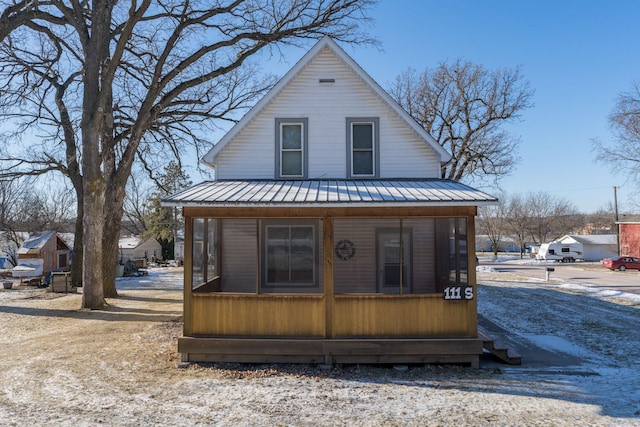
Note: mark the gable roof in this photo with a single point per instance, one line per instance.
(133, 242)
(326, 41)
(36, 241)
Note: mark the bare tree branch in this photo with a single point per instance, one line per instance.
(100, 85)
(463, 106)
(622, 154)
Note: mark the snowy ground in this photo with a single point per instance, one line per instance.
(65, 366)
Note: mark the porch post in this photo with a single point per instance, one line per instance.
(471, 265)
(188, 272)
(329, 298)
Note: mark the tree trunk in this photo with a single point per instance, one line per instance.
(76, 263)
(97, 137)
(113, 221)
(93, 223)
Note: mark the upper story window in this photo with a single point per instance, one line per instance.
(291, 148)
(362, 147)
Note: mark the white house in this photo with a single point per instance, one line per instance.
(328, 235)
(135, 248)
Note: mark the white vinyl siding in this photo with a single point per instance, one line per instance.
(402, 152)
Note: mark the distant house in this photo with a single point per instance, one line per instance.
(630, 236)
(47, 246)
(595, 246)
(506, 244)
(135, 248)
(328, 235)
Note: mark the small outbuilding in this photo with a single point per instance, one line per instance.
(47, 246)
(136, 248)
(328, 235)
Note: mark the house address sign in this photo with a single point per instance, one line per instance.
(452, 293)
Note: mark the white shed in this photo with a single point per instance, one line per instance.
(131, 248)
(596, 246)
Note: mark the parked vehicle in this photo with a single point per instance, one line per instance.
(621, 263)
(560, 252)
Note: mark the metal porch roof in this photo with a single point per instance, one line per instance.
(327, 193)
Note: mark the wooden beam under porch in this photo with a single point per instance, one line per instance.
(331, 351)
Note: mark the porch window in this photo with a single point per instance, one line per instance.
(291, 148)
(290, 255)
(362, 143)
(205, 275)
(252, 256)
(452, 252)
(399, 256)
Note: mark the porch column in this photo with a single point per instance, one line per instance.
(188, 273)
(329, 297)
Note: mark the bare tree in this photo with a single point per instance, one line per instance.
(540, 217)
(602, 221)
(622, 154)
(121, 83)
(25, 207)
(550, 217)
(518, 221)
(135, 206)
(464, 107)
(12, 193)
(492, 222)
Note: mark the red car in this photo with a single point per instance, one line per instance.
(621, 263)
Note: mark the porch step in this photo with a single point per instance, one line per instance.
(498, 350)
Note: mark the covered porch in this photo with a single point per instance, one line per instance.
(345, 282)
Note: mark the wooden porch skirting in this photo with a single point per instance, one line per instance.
(330, 351)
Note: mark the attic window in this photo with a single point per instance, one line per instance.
(327, 80)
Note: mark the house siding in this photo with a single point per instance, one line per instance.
(403, 153)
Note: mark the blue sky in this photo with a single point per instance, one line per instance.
(577, 55)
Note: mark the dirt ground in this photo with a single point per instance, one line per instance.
(118, 367)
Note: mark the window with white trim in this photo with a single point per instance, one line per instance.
(291, 148)
(362, 143)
